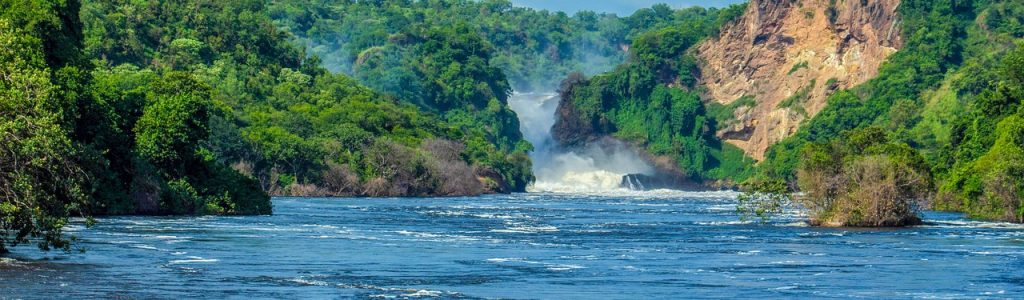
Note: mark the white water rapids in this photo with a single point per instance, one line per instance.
(590, 170)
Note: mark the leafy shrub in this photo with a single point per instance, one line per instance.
(725, 115)
(863, 179)
(763, 198)
(797, 67)
(795, 102)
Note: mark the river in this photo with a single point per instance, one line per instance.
(626, 245)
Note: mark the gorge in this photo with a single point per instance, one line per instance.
(596, 168)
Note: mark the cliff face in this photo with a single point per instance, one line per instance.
(789, 56)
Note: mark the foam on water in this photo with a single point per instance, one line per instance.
(973, 224)
(425, 293)
(574, 182)
(304, 281)
(556, 267)
(725, 196)
(7, 262)
(526, 229)
(193, 260)
(647, 245)
(587, 170)
(147, 247)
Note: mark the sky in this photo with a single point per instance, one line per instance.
(620, 7)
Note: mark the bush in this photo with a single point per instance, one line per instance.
(340, 180)
(863, 180)
(179, 197)
(174, 122)
(878, 192)
(764, 198)
(455, 177)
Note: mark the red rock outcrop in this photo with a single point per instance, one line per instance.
(789, 56)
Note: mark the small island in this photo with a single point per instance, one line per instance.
(863, 179)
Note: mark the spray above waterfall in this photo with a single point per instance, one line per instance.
(594, 168)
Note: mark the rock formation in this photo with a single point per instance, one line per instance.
(790, 56)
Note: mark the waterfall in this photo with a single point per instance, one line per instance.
(592, 169)
(633, 182)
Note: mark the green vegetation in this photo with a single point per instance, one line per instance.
(986, 177)
(725, 115)
(797, 67)
(796, 101)
(650, 101)
(449, 73)
(448, 57)
(536, 49)
(199, 107)
(935, 37)
(94, 143)
(764, 198)
(41, 183)
(164, 107)
(863, 179)
(950, 93)
(279, 118)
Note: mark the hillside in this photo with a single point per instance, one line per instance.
(789, 56)
(950, 93)
(196, 107)
(652, 102)
(300, 130)
(787, 79)
(534, 48)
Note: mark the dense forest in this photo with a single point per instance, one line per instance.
(378, 41)
(196, 107)
(383, 43)
(80, 140)
(301, 130)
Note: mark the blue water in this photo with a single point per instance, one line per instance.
(531, 246)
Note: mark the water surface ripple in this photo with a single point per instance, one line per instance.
(526, 246)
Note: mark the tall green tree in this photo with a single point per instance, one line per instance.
(41, 182)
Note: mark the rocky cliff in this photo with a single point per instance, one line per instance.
(789, 56)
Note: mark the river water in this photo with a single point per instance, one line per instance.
(652, 245)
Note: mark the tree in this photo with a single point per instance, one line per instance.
(174, 122)
(41, 183)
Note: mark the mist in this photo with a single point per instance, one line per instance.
(598, 167)
(619, 7)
